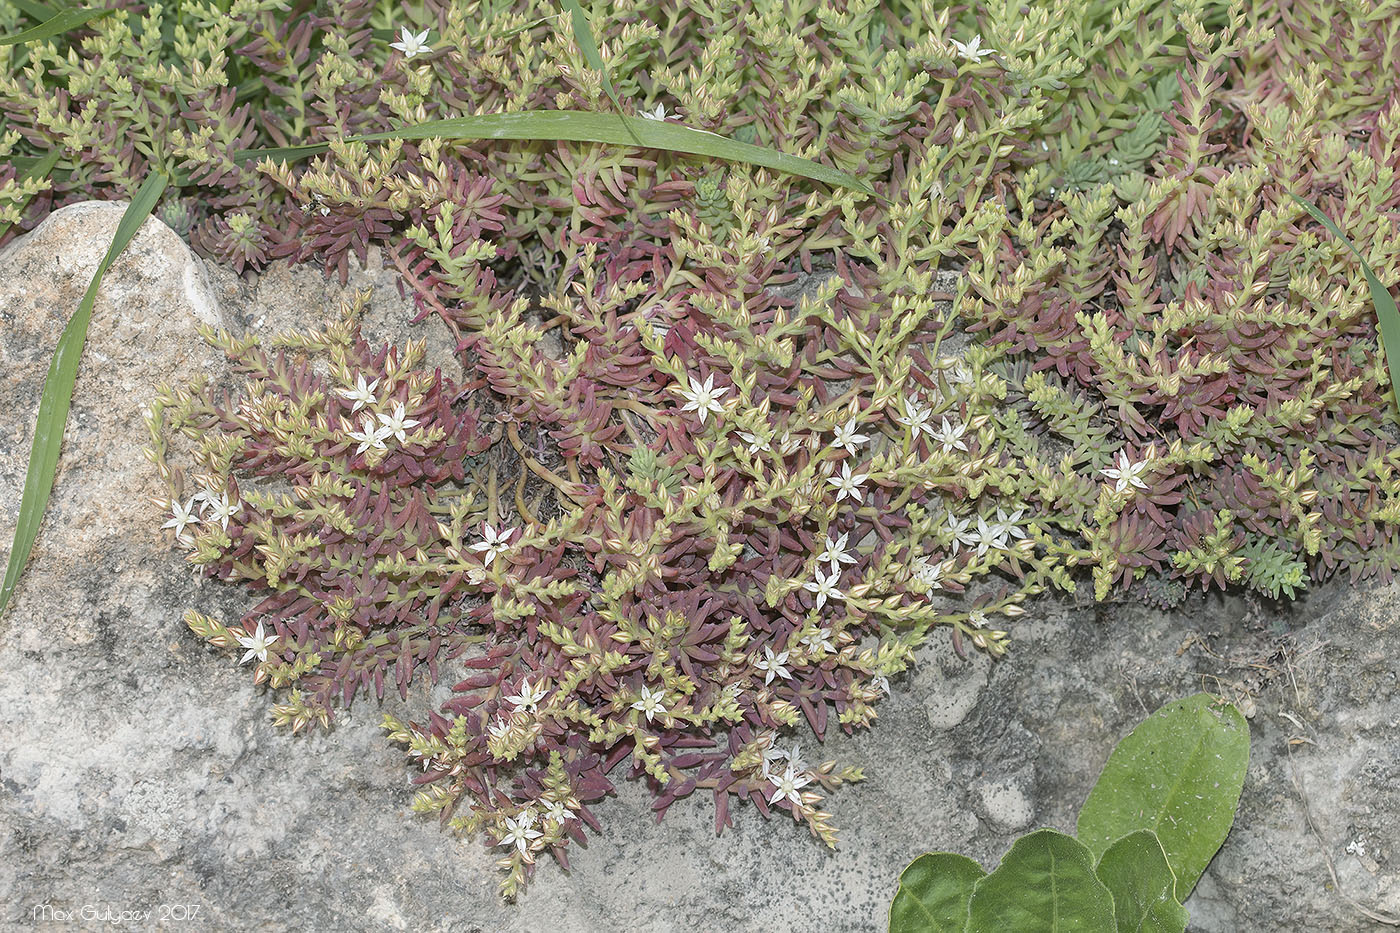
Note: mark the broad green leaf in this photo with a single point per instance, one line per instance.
(57, 396)
(1045, 884)
(933, 894)
(1179, 774)
(35, 10)
(56, 25)
(1386, 313)
(37, 169)
(585, 126)
(1136, 873)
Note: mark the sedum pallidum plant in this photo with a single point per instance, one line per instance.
(725, 446)
(660, 548)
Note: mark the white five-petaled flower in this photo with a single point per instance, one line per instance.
(1005, 526)
(977, 618)
(184, 515)
(520, 832)
(369, 435)
(410, 44)
(528, 698)
(397, 424)
(835, 553)
(848, 483)
(257, 644)
(820, 640)
(650, 703)
(496, 542)
(915, 417)
(498, 728)
(755, 442)
(824, 586)
(361, 395)
(787, 785)
(959, 374)
(971, 49)
(1127, 473)
(773, 754)
(703, 398)
(556, 811)
(772, 665)
(220, 509)
(928, 574)
(961, 534)
(847, 437)
(658, 114)
(950, 436)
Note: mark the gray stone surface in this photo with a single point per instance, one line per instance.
(139, 770)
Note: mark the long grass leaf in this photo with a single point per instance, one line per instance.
(58, 391)
(1386, 313)
(583, 35)
(55, 25)
(584, 126)
(40, 168)
(39, 11)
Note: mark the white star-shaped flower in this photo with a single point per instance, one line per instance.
(496, 542)
(972, 49)
(755, 442)
(361, 395)
(520, 832)
(881, 683)
(950, 436)
(650, 703)
(848, 483)
(824, 586)
(410, 44)
(835, 553)
(774, 754)
(915, 417)
(221, 509)
(257, 644)
(820, 640)
(1005, 526)
(498, 729)
(658, 114)
(961, 534)
(847, 437)
(1127, 473)
(977, 618)
(772, 665)
(927, 574)
(369, 435)
(556, 811)
(528, 698)
(397, 424)
(787, 785)
(703, 399)
(183, 515)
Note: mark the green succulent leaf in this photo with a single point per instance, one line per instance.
(1178, 774)
(58, 391)
(583, 126)
(1045, 884)
(1136, 873)
(934, 891)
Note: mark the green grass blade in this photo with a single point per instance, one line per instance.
(58, 391)
(583, 35)
(583, 126)
(39, 168)
(55, 25)
(35, 10)
(1386, 313)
